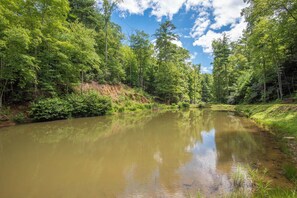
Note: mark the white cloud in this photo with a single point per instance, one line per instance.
(201, 24)
(133, 7)
(205, 41)
(159, 8)
(193, 56)
(226, 12)
(195, 3)
(177, 42)
(166, 8)
(234, 34)
(237, 30)
(206, 70)
(211, 16)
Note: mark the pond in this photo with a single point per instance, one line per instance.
(146, 154)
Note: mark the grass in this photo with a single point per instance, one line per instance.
(263, 187)
(222, 107)
(239, 177)
(290, 172)
(280, 118)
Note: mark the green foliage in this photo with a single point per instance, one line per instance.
(50, 109)
(207, 88)
(183, 105)
(261, 66)
(262, 185)
(281, 118)
(143, 50)
(48, 50)
(221, 69)
(238, 177)
(88, 105)
(19, 118)
(290, 171)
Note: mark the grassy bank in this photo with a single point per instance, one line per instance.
(280, 118)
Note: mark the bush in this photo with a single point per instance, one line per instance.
(202, 105)
(50, 109)
(183, 105)
(86, 105)
(19, 118)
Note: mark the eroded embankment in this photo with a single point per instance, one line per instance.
(118, 92)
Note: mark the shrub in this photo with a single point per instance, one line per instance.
(183, 105)
(50, 109)
(19, 118)
(202, 105)
(88, 105)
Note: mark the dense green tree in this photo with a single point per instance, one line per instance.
(195, 84)
(86, 12)
(207, 88)
(221, 69)
(143, 50)
(176, 79)
(130, 64)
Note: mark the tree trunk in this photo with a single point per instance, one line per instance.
(278, 69)
(130, 75)
(279, 79)
(264, 76)
(82, 81)
(2, 93)
(106, 47)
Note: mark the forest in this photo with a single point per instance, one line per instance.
(47, 48)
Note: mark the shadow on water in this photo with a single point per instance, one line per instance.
(139, 154)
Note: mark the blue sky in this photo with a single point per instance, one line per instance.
(198, 22)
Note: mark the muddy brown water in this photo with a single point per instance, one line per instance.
(148, 154)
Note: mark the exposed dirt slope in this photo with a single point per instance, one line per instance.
(117, 92)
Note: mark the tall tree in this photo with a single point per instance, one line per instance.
(221, 52)
(143, 50)
(85, 11)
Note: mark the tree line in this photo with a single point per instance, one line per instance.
(48, 47)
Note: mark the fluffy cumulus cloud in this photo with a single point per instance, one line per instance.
(201, 24)
(212, 17)
(225, 13)
(205, 41)
(159, 8)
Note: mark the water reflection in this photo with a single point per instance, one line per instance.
(143, 154)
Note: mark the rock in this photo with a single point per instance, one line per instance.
(289, 138)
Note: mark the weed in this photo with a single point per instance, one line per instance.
(290, 172)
